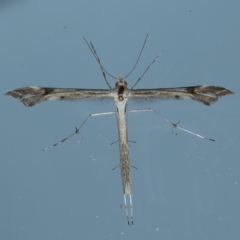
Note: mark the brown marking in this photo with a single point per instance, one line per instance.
(121, 90)
(48, 91)
(191, 90)
(120, 93)
(120, 98)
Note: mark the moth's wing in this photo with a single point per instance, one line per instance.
(29, 96)
(205, 94)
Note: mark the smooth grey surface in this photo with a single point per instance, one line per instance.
(185, 187)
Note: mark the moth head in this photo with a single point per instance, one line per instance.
(121, 82)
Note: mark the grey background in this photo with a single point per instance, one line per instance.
(185, 187)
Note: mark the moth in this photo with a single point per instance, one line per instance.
(121, 94)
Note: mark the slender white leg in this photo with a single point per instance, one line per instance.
(77, 129)
(175, 125)
(131, 207)
(126, 208)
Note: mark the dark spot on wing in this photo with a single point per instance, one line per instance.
(48, 91)
(191, 90)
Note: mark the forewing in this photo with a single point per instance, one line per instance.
(205, 94)
(29, 96)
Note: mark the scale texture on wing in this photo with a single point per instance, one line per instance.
(29, 96)
(205, 94)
